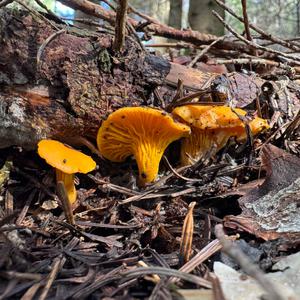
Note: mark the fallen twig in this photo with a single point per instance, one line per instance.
(120, 27)
(265, 35)
(292, 58)
(235, 253)
(56, 266)
(205, 50)
(46, 42)
(246, 23)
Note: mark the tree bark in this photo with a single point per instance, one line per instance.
(78, 80)
(76, 84)
(201, 18)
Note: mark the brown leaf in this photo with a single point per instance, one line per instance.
(272, 210)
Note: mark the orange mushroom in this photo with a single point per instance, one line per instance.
(211, 127)
(66, 162)
(142, 132)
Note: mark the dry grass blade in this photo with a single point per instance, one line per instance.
(30, 293)
(167, 272)
(9, 203)
(187, 236)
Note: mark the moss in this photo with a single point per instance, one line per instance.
(104, 61)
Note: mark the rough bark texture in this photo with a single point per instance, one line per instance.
(202, 19)
(77, 83)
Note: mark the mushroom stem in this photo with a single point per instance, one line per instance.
(201, 141)
(148, 156)
(68, 180)
(195, 146)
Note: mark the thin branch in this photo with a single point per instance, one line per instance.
(292, 58)
(167, 272)
(120, 28)
(46, 42)
(251, 269)
(177, 174)
(205, 50)
(42, 5)
(286, 43)
(64, 199)
(178, 45)
(257, 61)
(156, 28)
(56, 266)
(246, 23)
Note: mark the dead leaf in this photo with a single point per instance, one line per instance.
(49, 204)
(240, 89)
(272, 210)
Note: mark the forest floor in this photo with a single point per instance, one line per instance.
(226, 227)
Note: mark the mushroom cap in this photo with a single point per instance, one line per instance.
(65, 159)
(210, 117)
(142, 132)
(212, 126)
(190, 113)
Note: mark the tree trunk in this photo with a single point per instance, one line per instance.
(175, 14)
(202, 19)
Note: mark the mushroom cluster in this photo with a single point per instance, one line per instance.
(145, 133)
(211, 128)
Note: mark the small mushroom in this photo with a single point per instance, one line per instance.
(211, 128)
(142, 132)
(66, 162)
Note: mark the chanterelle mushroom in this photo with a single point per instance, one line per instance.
(66, 162)
(142, 132)
(211, 127)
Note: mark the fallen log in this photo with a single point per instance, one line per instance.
(59, 82)
(76, 83)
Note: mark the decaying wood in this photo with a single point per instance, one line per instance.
(61, 83)
(76, 84)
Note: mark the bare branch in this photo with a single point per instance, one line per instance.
(120, 28)
(251, 269)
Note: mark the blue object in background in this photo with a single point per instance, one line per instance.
(64, 11)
